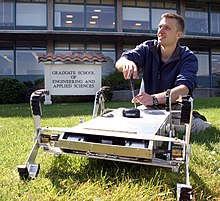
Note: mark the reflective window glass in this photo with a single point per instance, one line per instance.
(76, 1)
(92, 1)
(93, 47)
(6, 14)
(203, 62)
(27, 62)
(157, 4)
(6, 62)
(108, 47)
(136, 18)
(156, 16)
(77, 46)
(128, 47)
(31, 14)
(31, 1)
(129, 3)
(100, 17)
(170, 5)
(216, 69)
(215, 20)
(69, 15)
(108, 66)
(37, 45)
(62, 1)
(203, 69)
(61, 46)
(109, 2)
(196, 17)
(143, 3)
(196, 22)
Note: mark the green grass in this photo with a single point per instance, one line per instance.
(80, 178)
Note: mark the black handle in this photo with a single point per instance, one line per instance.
(35, 101)
(103, 91)
(168, 100)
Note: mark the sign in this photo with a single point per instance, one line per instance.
(72, 79)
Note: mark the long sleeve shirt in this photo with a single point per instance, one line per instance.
(181, 68)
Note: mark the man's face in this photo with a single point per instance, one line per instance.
(167, 32)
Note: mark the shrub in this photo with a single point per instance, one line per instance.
(218, 83)
(33, 86)
(12, 91)
(39, 83)
(116, 81)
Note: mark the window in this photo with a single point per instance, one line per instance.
(203, 61)
(196, 17)
(6, 14)
(136, 19)
(76, 47)
(215, 20)
(109, 2)
(6, 62)
(136, 3)
(203, 71)
(156, 16)
(136, 14)
(215, 67)
(84, 17)
(27, 58)
(128, 47)
(31, 14)
(100, 17)
(67, 15)
(93, 47)
(159, 8)
(6, 58)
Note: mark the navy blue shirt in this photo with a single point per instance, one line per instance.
(181, 68)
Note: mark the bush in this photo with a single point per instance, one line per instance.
(39, 83)
(218, 83)
(33, 86)
(12, 91)
(116, 81)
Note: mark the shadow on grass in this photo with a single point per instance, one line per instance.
(201, 190)
(79, 170)
(114, 173)
(208, 137)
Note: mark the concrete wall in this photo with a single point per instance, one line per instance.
(125, 95)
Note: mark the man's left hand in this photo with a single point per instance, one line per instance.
(143, 98)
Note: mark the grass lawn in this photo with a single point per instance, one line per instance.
(80, 178)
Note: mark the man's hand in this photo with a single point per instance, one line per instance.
(143, 98)
(128, 68)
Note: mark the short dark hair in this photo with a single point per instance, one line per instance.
(179, 18)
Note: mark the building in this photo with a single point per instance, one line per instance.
(29, 28)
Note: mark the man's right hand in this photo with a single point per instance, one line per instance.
(128, 68)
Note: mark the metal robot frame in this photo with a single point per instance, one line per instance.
(150, 139)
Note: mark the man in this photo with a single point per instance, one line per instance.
(165, 64)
